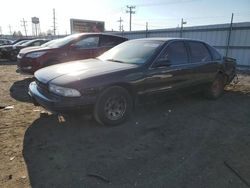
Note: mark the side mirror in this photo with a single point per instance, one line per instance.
(73, 46)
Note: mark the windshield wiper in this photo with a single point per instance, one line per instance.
(115, 60)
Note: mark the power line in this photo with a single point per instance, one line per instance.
(165, 3)
(130, 11)
(24, 25)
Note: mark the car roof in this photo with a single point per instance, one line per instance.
(168, 39)
(104, 34)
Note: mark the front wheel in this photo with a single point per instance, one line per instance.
(216, 89)
(113, 106)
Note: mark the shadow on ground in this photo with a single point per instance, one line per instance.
(7, 62)
(176, 143)
(19, 90)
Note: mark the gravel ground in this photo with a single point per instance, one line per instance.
(186, 141)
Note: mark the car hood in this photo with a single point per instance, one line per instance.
(30, 48)
(6, 46)
(33, 49)
(69, 72)
(20, 46)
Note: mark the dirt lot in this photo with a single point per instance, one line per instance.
(187, 141)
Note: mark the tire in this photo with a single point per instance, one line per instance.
(113, 106)
(216, 89)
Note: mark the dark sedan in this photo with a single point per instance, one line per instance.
(10, 51)
(5, 42)
(72, 47)
(5, 48)
(112, 82)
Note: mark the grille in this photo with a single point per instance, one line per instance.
(41, 86)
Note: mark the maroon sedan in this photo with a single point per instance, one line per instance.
(73, 47)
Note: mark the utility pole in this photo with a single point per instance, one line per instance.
(182, 23)
(10, 29)
(146, 29)
(1, 30)
(36, 29)
(130, 11)
(120, 26)
(24, 25)
(54, 21)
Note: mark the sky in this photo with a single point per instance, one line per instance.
(158, 13)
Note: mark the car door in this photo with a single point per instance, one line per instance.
(170, 71)
(203, 65)
(84, 48)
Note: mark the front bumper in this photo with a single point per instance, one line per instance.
(26, 65)
(59, 104)
(24, 70)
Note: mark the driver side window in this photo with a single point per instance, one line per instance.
(90, 42)
(175, 54)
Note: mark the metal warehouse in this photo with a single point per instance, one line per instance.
(232, 40)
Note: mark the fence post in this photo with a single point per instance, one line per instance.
(229, 34)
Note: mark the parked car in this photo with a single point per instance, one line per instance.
(5, 42)
(5, 48)
(10, 52)
(113, 82)
(22, 39)
(73, 47)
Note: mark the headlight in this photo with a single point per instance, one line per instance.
(35, 54)
(66, 92)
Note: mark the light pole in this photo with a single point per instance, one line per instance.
(182, 23)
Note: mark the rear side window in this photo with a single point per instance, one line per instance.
(199, 52)
(110, 41)
(176, 53)
(216, 55)
(89, 42)
(38, 43)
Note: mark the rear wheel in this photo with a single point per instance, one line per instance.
(216, 89)
(113, 106)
